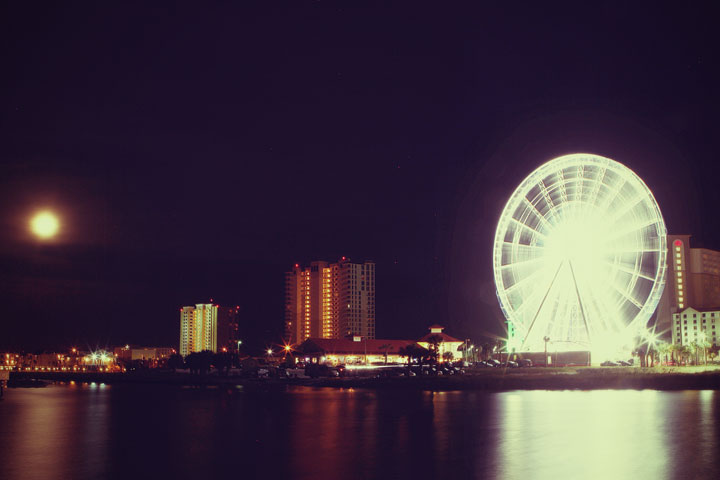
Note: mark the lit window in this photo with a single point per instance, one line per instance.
(677, 255)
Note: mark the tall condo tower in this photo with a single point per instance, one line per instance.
(330, 300)
(207, 326)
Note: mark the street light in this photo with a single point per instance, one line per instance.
(546, 339)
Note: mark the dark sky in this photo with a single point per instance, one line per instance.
(198, 150)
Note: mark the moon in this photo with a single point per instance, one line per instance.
(45, 225)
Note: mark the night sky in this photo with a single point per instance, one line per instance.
(197, 151)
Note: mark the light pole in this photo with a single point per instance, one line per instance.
(546, 339)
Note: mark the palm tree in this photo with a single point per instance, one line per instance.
(663, 349)
(685, 352)
(413, 351)
(434, 342)
(385, 347)
(703, 344)
(713, 353)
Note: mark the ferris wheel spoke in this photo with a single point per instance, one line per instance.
(522, 245)
(512, 287)
(612, 196)
(528, 227)
(521, 263)
(627, 296)
(626, 208)
(634, 228)
(630, 270)
(537, 213)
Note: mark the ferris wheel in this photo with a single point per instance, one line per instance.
(579, 255)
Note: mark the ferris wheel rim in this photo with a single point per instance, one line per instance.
(550, 167)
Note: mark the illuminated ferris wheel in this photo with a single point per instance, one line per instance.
(579, 256)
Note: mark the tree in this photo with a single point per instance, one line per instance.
(434, 342)
(175, 361)
(703, 345)
(685, 351)
(199, 362)
(675, 350)
(414, 351)
(222, 362)
(663, 350)
(447, 356)
(713, 352)
(385, 347)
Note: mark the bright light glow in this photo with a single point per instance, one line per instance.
(580, 257)
(45, 225)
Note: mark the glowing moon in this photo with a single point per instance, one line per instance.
(45, 225)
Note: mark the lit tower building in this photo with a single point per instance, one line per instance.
(330, 300)
(207, 326)
(693, 281)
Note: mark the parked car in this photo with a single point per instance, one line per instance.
(314, 370)
(295, 373)
(525, 362)
(608, 363)
(623, 363)
(494, 363)
(512, 364)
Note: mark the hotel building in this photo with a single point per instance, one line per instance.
(692, 289)
(692, 325)
(207, 327)
(330, 300)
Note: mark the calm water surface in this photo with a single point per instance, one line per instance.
(128, 431)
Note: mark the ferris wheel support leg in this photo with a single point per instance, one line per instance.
(527, 335)
(580, 302)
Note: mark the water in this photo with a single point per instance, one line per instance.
(134, 431)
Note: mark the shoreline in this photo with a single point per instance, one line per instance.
(582, 378)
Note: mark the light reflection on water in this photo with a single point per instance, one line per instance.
(122, 431)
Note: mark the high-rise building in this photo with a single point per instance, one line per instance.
(227, 331)
(693, 280)
(330, 300)
(207, 326)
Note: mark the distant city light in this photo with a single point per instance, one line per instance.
(45, 225)
(580, 256)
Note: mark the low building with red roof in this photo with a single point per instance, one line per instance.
(359, 350)
(445, 343)
(354, 350)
